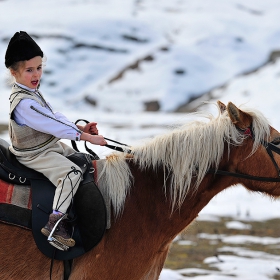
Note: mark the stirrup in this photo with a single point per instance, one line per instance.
(53, 241)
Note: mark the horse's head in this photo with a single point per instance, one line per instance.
(258, 157)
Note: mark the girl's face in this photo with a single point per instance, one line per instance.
(29, 74)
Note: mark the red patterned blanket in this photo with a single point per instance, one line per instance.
(15, 195)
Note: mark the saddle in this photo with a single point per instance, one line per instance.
(88, 210)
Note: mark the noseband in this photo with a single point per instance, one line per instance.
(269, 148)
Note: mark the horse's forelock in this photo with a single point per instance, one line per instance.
(186, 151)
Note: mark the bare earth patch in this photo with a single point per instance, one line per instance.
(205, 239)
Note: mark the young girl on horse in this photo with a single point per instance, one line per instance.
(35, 130)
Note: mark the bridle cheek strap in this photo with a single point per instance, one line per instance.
(269, 148)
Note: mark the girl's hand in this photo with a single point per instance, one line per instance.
(91, 128)
(93, 139)
(98, 140)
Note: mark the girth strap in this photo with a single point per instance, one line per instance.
(67, 269)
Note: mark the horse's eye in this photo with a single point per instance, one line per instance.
(276, 141)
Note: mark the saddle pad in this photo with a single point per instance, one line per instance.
(12, 195)
(16, 205)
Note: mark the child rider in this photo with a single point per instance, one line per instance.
(35, 130)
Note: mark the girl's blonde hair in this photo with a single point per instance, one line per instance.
(16, 66)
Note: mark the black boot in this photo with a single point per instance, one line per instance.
(61, 232)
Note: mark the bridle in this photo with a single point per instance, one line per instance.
(269, 146)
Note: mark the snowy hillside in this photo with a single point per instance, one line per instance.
(121, 54)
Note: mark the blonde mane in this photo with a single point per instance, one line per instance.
(185, 152)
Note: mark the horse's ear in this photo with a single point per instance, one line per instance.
(222, 106)
(238, 117)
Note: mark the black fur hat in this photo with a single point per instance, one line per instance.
(21, 47)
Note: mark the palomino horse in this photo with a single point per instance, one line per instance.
(156, 193)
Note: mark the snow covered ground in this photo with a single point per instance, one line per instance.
(123, 54)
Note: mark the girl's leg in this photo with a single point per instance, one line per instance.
(63, 173)
(66, 176)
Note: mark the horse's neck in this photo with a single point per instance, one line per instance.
(157, 205)
(153, 222)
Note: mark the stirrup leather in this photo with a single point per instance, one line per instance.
(53, 241)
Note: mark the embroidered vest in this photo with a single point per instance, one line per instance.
(27, 141)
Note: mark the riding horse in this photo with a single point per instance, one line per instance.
(156, 191)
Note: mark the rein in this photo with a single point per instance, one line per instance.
(244, 176)
(113, 147)
(248, 131)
